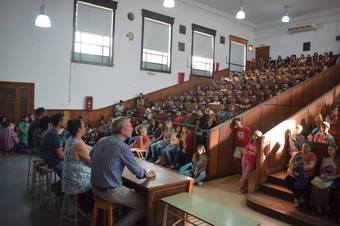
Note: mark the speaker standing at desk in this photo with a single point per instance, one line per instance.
(110, 156)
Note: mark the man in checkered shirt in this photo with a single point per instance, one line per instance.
(8, 138)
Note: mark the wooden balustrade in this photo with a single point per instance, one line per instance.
(274, 155)
(264, 117)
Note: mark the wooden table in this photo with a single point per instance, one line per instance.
(166, 183)
(205, 211)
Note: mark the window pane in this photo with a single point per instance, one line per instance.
(156, 45)
(106, 52)
(77, 36)
(7, 102)
(202, 55)
(24, 101)
(91, 38)
(91, 49)
(107, 41)
(237, 54)
(94, 19)
(203, 45)
(77, 47)
(92, 42)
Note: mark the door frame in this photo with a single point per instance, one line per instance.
(256, 58)
(17, 86)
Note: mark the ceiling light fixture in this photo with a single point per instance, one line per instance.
(241, 14)
(285, 18)
(169, 3)
(42, 19)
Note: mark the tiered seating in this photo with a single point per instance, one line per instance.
(271, 196)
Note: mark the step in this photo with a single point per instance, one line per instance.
(277, 191)
(277, 178)
(285, 211)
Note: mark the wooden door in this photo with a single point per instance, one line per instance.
(16, 99)
(262, 52)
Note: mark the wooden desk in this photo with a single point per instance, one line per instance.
(166, 183)
(206, 211)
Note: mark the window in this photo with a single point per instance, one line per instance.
(237, 54)
(156, 42)
(203, 48)
(93, 32)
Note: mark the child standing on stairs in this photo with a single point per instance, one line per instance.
(249, 160)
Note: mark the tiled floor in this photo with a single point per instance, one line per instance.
(17, 209)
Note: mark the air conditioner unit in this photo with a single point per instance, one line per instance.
(307, 27)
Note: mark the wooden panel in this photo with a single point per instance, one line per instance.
(294, 109)
(327, 102)
(272, 101)
(213, 147)
(268, 117)
(308, 91)
(262, 52)
(226, 149)
(285, 98)
(283, 112)
(319, 86)
(315, 108)
(303, 119)
(238, 39)
(297, 96)
(16, 99)
(252, 118)
(337, 94)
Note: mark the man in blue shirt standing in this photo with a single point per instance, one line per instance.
(110, 156)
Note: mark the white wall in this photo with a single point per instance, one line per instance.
(42, 56)
(284, 44)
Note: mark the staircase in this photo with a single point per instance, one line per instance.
(276, 200)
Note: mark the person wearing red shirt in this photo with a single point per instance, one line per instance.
(249, 160)
(241, 139)
(179, 119)
(183, 151)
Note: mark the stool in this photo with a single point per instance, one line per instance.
(46, 175)
(35, 177)
(108, 207)
(140, 153)
(30, 157)
(64, 206)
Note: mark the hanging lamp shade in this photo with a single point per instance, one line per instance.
(241, 14)
(42, 19)
(169, 3)
(285, 18)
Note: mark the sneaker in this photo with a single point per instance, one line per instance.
(199, 184)
(296, 203)
(157, 161)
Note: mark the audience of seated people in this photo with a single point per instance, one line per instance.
(226, 98)
(313, 178)
(164, 131)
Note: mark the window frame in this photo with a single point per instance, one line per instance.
(161, 18)
(207, 31)
(239, 41)
(100, 3)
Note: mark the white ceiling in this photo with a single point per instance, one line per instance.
(260, 12)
